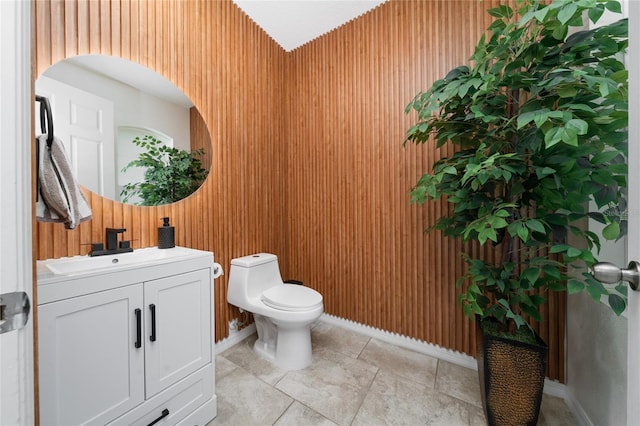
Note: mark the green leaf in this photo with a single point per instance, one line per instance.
(535, 225)
(604, 157)
(523, 233)
(541, 14)
(501, 11)
(595, 13)
(614, 6)
(532, 311)
(487, 233)
(611, 231)
(604, 88)
(623, 289)
(552, 136)
(617, 304)
(573, 252)
(541, 117)
(596, 290)
(567, 91)
(560, 32)
(537, 299)
(569, 136)
(551, 271)
(531, 274)
(524, 119)
(580, 107)
(541, 172)
(574, 286)
(566, 13)
(579, 126)
(516, 318)
(559, 248)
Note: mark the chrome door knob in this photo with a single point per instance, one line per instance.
(609, 273)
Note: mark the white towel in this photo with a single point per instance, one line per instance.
(59, 195)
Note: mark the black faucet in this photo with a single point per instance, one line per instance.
(111, 237)
(113, 247)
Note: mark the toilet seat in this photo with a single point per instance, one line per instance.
(292, 297)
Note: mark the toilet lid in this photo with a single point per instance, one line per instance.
(292, 297)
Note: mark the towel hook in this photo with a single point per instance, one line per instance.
(46, 118)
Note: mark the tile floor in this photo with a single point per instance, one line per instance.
(354, 380)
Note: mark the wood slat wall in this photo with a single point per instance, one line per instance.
(200, 138)
(352, 233)
(307, 158)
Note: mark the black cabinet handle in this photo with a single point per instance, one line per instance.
(138, 343)
(152, 308)
(165, 413)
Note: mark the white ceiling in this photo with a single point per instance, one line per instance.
(292, 23)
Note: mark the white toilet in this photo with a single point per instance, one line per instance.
(283, 313)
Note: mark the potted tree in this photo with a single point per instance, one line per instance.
(538, 122)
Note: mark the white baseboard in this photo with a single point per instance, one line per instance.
(579, 413)
(420, 346)
(233, 339)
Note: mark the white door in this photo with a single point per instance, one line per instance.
(633, 248)
(16, 347)
(633, 355)
(84, 123)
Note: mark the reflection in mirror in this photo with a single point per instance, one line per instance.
(170, 174)
(102, 103)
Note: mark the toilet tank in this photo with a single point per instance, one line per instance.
(251, 275)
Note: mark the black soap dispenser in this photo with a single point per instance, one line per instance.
(166, 235)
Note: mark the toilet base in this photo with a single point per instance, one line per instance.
(287, 345)
(264, 351)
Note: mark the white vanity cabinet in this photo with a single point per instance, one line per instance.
(128, 345)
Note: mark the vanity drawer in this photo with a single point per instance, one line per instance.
(203, 415)
(180, 400)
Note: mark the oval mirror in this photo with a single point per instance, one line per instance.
(131, 135)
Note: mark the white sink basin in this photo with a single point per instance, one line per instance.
(84, 264)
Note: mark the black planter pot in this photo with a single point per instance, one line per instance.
(512, 377)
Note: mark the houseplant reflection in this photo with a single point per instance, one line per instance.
(170, 174)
